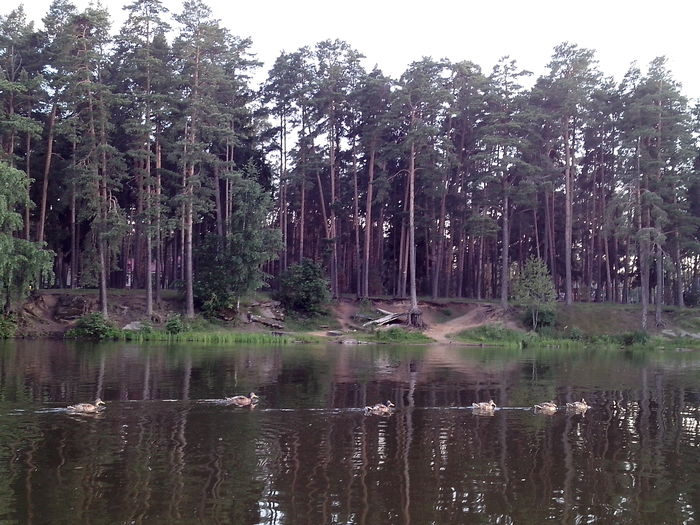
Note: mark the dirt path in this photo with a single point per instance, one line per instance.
(480, 314)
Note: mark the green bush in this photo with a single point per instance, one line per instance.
(634, 338)
(94, 326)
(8, 326)
(575, 334)
(399, 335)
(174, 325)
(491, 334)
(304, 288)
(547, 316)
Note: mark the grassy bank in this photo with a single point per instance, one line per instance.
(397, 335)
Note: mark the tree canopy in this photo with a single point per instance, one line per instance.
(442, 182)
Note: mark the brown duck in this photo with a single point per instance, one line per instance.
(487, 406)
(548, 407)
(243, 401)
(380, 409)
(578, 406)
(87, 408)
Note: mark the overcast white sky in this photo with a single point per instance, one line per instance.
(393, 33)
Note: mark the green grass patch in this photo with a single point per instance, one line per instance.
(497, 335)
(216, 337)
(399, 335)
(492, 334)
(296, 323)
(95, 327)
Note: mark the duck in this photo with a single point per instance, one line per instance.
(380, 409)
(548, 407)
(578, 406)
(87, 408)
(243, 401)
(488, 406)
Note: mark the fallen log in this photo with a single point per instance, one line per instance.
(390, 318)
(264, 321)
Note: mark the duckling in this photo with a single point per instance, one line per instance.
(243, 401)
(87, 408)
(578, 406)
(484, 407)
(548, 407)
(380, 409)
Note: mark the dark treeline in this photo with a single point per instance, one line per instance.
(144, 149)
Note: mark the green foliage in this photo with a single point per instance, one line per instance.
(304, 288)
(22, 262)
(534, 288)
(94, 326)
(490, 334)
(230, 267)
(546, 316)
(575, 334)
(174, 325)
(691, 297)
(8, 326)
(399, 335)
(634, 338)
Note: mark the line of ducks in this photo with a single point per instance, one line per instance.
(99, 405)
(380, 409)
(488, 407)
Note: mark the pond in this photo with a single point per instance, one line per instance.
(165, 451)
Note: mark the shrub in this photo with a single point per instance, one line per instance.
(691, 297)
(174, 325)
(399, 335)
(93, 326)
(546, 316)
(8, 326)
(534, 289)
(491, 334)
(304, 288)
(634, 338)
(575, 334)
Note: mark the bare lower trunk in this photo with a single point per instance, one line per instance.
(189, 273)
(368, 222)
(47, 170)
(414, 314)
(659, 298)
(678, 271)
(568, 213)
(505, 245)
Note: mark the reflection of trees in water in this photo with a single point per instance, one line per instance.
(634, 453)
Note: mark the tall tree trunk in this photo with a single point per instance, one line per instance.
(659, 299)
(47, 170)
(159, 235)
(333, 225)
(505, 246)
(568, 213)
(302, 215)
(414, 314)
(356, 225)
(440, 248)
(677, 264)
(368, 219)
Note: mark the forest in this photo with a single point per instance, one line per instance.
(148, 158)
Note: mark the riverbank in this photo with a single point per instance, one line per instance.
(54, 313)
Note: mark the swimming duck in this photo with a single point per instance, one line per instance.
(243, 401)
(87, 408)
(380, 409)
(485, 407)
(578, 406)
(548, 407)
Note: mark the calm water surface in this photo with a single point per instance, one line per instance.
(165, 452)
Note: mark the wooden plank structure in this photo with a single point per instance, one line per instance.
(389, 317)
